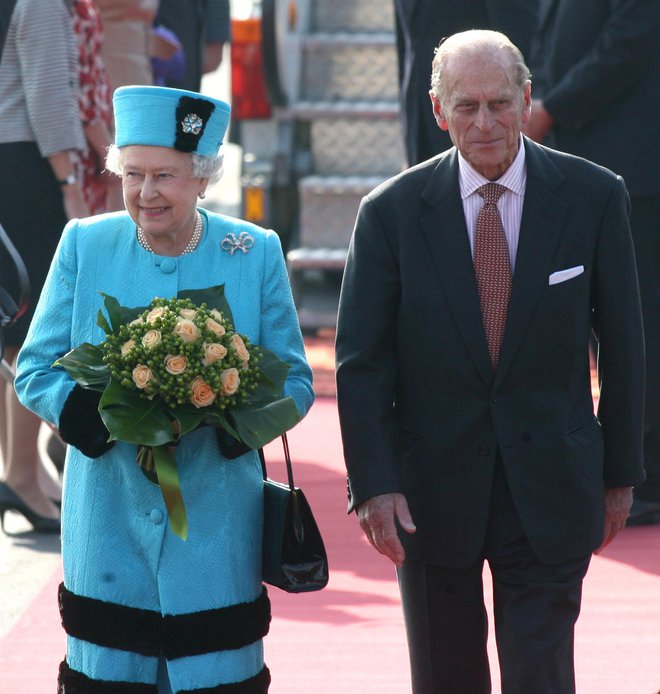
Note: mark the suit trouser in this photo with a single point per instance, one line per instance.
(535, 607)
(645, 226)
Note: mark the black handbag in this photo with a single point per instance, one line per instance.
(294, 557)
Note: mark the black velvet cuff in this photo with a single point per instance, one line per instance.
(81, 424)
(229, 446)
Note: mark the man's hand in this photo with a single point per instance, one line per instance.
(212, 57)
(540, 123)
(617, 507)
(377, 519)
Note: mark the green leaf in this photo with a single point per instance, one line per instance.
(257, 426)
(134, 419)
(103, 323)
(86, 366)
(119, 314)
(273, 372)
(213, 297)
(168, 480)
(224, 422)
(188, 418)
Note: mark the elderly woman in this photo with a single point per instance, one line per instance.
(145, 611)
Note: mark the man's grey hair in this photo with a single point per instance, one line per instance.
(202, 166)
(476, 42)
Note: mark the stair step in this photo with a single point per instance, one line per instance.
(317, 258)
(340, 68)
(367, 147)
(339, 185)
(346, 109)
(364, 15)
(346, 39)
(329, 206)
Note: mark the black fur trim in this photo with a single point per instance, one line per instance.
(225, 628)
(110, 625)
(81, 424)
(255, 685)
(176, 636)
(73, 682)
(191, 115)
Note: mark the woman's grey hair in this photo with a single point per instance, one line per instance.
(475, 42)
(202, 166)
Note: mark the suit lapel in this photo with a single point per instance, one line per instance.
(445, 232)
(541, 226)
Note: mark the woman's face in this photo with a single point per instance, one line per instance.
(160, 192)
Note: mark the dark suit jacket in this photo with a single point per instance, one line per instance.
(195, 22)
(596, 65)
(420, 24)
(420, 410)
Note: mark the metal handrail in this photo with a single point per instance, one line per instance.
(274, 88)
(10, 311)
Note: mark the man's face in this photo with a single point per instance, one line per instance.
(483, 111)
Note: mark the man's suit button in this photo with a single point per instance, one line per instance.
(526, 437)
(484, 449)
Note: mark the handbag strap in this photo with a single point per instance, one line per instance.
(287, 460)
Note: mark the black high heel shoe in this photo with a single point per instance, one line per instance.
(9, 501)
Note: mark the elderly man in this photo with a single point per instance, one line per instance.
(472, 286)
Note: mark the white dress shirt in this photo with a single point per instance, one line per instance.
(510, 203)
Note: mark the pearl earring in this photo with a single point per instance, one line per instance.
(202, 196)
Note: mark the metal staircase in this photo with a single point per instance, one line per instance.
(345, 110)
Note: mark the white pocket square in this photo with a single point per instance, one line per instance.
(563, 275)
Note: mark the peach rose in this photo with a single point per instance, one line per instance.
(137, 321)
(213, 352)
(201, 393)
(215, 327)
(230, 381)
(157, 312)
(214, 313)
(240, 348)
(142, 376)
(186, 330)
(188, 313)
(175, 364)
(127, 347)
(151, 339)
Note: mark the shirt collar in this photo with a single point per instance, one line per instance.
(514, 178)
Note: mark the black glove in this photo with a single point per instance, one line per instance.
(81, 424)
(229, 446)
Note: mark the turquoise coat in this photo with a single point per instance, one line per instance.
(117, 546)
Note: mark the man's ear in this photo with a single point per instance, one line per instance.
(438, 113)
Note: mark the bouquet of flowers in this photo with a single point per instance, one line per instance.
(165, 369)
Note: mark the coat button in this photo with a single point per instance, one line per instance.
(484, 449)
(156, 516)
(526, 437)
(168, 266)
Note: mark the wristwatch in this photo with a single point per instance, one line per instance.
(69, 180)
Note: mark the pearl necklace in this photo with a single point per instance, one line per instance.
(190, 246)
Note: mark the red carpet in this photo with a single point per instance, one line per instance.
(349, 637)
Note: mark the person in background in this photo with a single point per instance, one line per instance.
(419, 23)
(203, 27)
(597, 77)
(144, 610)
(95, 107)
(472, 285)
(127, 40)
(41, 138)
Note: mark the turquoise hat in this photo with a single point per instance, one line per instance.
(164, 117)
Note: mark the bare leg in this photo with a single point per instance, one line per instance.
(19, 432)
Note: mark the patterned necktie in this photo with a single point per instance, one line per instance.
(492, 268)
